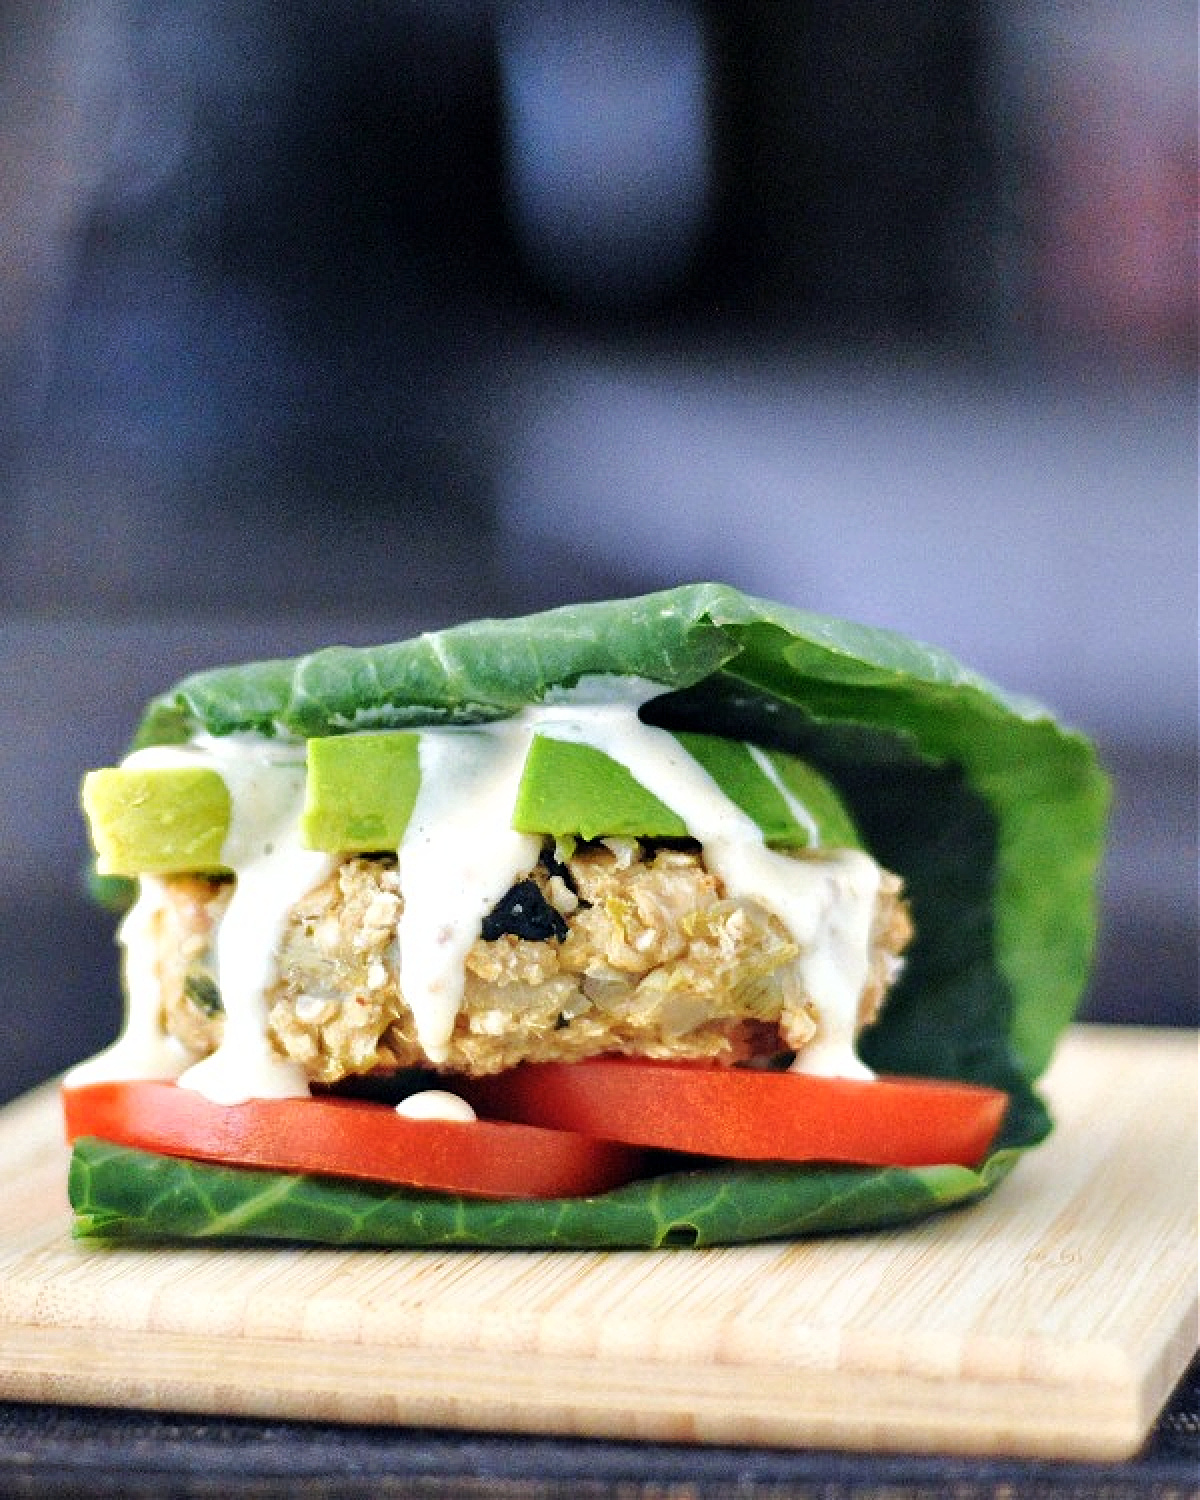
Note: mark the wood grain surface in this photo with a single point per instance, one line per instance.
(1051, 1320)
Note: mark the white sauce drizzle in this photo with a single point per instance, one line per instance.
(800, 814)
(143, 1050)
(457, 858)
(273, 871)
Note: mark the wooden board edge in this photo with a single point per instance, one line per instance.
(286, 1380)
(1162, 1374)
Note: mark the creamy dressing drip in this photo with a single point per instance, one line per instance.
(800, 814)
(144, 1049)
(274, 870)
(457, 858)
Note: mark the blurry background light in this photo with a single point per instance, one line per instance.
(607, 135)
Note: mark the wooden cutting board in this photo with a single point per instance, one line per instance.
(1052, 1319)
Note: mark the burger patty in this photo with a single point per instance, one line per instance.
(620, 947)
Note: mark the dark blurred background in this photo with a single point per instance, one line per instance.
(341, 321)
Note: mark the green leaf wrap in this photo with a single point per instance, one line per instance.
(123, 1195)
(992, 812)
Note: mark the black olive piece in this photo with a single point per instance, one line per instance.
(524, 912)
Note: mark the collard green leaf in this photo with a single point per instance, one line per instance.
(119, 1194)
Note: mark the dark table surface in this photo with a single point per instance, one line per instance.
(59, 1451)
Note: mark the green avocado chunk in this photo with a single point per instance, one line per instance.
(156, 820)
(573, 789)
(360, 791)
(568, 789)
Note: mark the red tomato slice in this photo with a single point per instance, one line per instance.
(351, 1138)
(750, 1115)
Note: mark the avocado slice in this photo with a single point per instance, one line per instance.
(568, 789)
(573, 789)
(360, 791)
(156, 820)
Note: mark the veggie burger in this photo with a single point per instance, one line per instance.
(683, 919)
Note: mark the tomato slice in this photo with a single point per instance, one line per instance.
(351, 1138)
(750, 1115)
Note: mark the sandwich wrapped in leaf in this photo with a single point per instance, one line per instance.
(683, 919)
